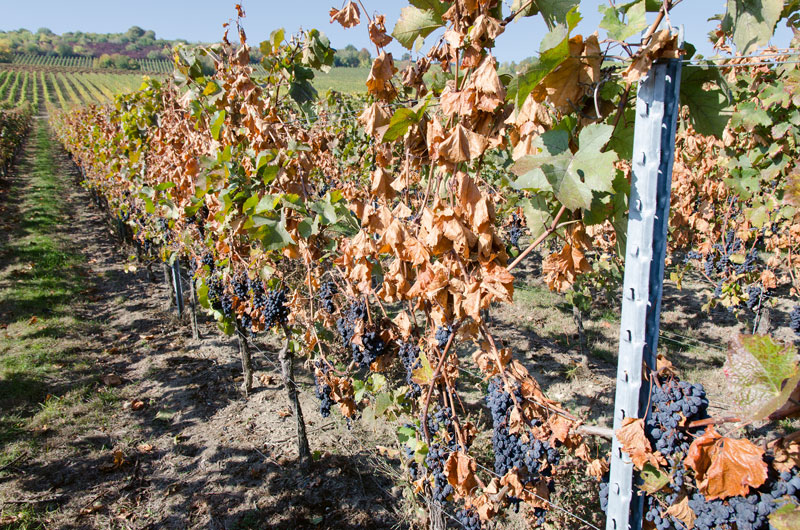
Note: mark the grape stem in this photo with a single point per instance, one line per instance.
(433, 380)
(552, 228)
(713, 421)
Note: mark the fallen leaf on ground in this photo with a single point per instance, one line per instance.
(267, 380)
(118, 462)
(144, 448)
(112, 380)
(137, 404)
(284, 413)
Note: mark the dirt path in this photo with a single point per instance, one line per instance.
(125, 422)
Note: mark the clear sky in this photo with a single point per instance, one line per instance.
(201, 20)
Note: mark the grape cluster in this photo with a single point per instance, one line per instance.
(692, 254)
(753, 297)
(742, 513)
(163, 226)
(326, 292)
(442, 421)
(208, 261)
(226, 304)
(720, 260)
(241, 286)
(604, 496)
(749, 263)
(468, 519)
(373, 344)
(794, 320)
(373, 348)
(653, 514)
(272, 305)
(536, 456)
(515, 231)
(215, 293)
(322, 390)
(673, 402)
(409, 356)
(443, 335)
(435, 461)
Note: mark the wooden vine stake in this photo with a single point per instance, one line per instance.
(247, 364)
(168, 282)
(287, 371)
(657, 109)
(193, 303)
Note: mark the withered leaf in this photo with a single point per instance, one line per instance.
(634, 442)
(661, 44)
(460, 469)
(682, 512)
(348, 16)
(112, 380)
(786, 454)
(462, 145)
(598, 468)
(379, 81)
(377, 31)
(725, 467)
(382, 184)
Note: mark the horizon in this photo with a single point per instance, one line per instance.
(175, 21)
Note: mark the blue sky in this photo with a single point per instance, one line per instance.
(201, 20)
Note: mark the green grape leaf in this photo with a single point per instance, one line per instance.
(709, 109)
(216, 123)
(402, 119)
(272, 233)
(751, 22)
(437, 6)
(553, 11)
(415, 23)
(537, 215)
(749, 115)
(619, 29)
(382, 403)
(763, 373)
(622, 139)
(524, 10)
(574, 178)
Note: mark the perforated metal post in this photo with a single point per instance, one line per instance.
(653, 151)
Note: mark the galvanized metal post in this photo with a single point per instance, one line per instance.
(178, 284)
(653, 151)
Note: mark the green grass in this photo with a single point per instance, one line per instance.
(346, 80)
(46, 378)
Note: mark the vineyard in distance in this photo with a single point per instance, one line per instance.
(264, 283)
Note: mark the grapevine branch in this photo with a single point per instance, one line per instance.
(538, 241)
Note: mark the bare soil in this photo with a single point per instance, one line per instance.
(198, 453)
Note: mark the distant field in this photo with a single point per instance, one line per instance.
(159, 66)
(52, 87)
(345, 80)
(68, 83)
